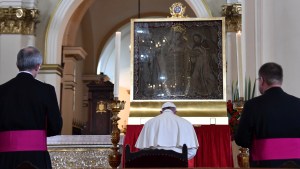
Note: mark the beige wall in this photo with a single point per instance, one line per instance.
(46, 8)
(271, 35)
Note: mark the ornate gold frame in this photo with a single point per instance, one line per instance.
(186, 107)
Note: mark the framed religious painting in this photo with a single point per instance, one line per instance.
(180, 60)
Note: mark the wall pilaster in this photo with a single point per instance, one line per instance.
(72, 86)
(232, 11)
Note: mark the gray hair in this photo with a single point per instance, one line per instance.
(28, 58)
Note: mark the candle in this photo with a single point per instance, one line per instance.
(117, 63)
(240, 64)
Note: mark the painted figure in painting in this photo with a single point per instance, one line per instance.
(174, 63)
(183, 61)
(203, 67)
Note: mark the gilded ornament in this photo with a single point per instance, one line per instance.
(18, 20)
(177, 10)
(19, 13)
(179, 28)
(101, 108)
(243, 158)
(233, 17)
(79, 157)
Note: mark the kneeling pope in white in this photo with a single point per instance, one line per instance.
(168, 131)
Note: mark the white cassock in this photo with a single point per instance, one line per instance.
(168, 131)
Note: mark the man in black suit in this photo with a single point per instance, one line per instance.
(29, 113)
(270, 123)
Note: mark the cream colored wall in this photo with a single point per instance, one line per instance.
(280, 39)
(272, 34)
(231, 60)
(8, 54)
(46, 8)
(88, 43)
(79, 115)
(215, 7)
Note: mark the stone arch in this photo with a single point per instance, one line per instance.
(56, 29)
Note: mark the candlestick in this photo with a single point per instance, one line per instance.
(114, 106)
(240, 64)
(117, 63)
(114, 158)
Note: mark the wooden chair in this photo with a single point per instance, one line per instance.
(156, 158)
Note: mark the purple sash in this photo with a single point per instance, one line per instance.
(275, 149)
(23, 140)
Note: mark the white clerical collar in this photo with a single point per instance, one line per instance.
(26, 72)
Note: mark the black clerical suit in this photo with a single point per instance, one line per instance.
(27, 106)
(270, 127)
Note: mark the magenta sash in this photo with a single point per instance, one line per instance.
(23, 140)
(275, 149)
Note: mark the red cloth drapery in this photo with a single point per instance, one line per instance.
(215, 146)
(132, 134)
(214, 140)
